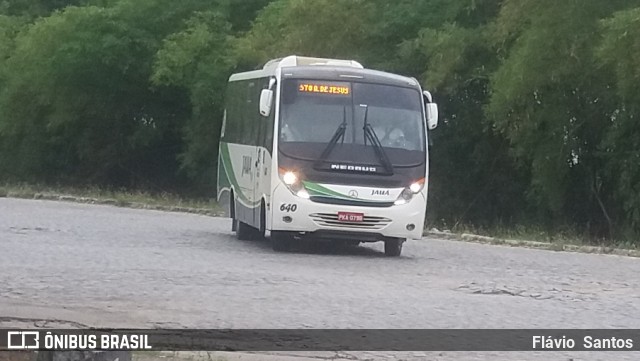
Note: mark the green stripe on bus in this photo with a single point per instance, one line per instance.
(317, 189)
(228, 169)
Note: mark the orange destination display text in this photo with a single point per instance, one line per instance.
(324, 89)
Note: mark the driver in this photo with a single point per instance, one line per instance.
(396, 139)
(392, 138)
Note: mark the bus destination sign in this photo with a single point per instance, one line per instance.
(324, 88)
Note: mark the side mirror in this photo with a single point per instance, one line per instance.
(432, 110)
(432, 116)
(266, 98)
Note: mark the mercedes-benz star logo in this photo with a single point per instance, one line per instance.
(353, 194)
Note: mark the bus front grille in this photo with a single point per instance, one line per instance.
(331, 220)
(349, 202)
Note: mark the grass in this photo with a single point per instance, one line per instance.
(559, 239)
(115, 197)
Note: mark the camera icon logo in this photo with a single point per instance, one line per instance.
(23, 340)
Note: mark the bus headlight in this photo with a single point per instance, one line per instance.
(408, 192)
(292, 181)
(289, 178)
(416, 187)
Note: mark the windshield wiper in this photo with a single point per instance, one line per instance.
(337, 136)
(370, 134)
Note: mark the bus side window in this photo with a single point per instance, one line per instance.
(232, 116)
(224, 124)
(245, 107)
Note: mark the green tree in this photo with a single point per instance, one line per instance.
(473, 179)
(241, 14)
(620, 52)
(35, 8)
(324, 28)
(78, 102)
(198, 59)
(547, 99)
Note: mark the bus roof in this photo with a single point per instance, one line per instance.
(346, 68)
(295, 60)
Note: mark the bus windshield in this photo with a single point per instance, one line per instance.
(316, 112)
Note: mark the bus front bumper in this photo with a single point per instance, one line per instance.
(320, 220)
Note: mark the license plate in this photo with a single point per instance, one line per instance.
(350, 217)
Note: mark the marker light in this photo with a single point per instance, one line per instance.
(303, 194)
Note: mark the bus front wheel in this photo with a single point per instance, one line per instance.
(393, 247)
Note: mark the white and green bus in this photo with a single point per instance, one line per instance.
(324, 149)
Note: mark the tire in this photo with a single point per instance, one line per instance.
(281, 241)
(232, 213)
(244, 231)
(393, 247)
(263, 221)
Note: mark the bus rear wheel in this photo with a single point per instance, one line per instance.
(393, 247)
(263, 221)
(232, 213)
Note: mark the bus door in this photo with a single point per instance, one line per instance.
(262, 172)
(257, 180)
(253, 115)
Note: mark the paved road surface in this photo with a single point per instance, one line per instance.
(116, 267)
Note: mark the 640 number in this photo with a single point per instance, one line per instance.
(288, 207)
